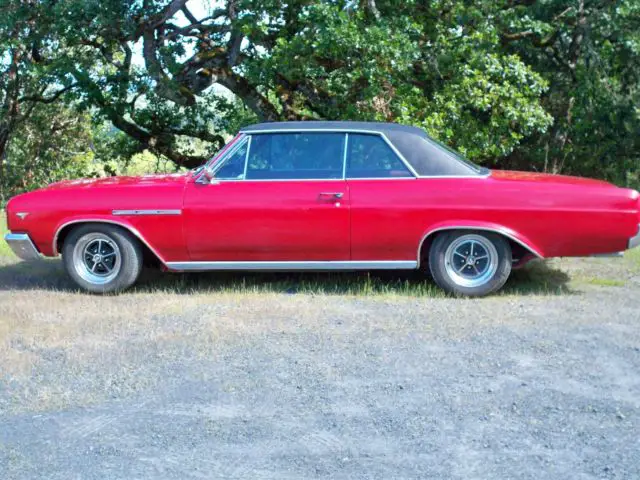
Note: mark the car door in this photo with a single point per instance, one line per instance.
(385, 201)
(275, 197)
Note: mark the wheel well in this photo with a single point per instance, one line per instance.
(150, 258)
(518, 251)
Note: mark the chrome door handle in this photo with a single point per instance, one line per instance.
(336, 195)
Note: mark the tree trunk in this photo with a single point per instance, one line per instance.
(4, 141)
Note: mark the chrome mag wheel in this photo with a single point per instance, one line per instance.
(471, 260)
(97, 258)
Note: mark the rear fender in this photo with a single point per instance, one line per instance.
(481, 226)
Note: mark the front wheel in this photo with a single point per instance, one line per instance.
(470, 263)
(102, 258)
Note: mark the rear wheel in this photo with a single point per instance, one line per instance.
(102, 258)
(470, 263)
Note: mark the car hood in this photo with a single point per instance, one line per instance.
(516, 176)
(106, 182)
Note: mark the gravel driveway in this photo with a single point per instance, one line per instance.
(252, 385)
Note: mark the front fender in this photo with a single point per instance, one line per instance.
(123, 222)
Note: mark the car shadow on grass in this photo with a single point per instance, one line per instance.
(537, 279)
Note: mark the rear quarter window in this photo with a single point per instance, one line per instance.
(428, 159)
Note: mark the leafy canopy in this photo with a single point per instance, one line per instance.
(550, 85)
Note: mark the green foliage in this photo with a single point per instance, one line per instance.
(146, 162)
(53, 144)
(56, 143)
(549, 85)
(589, 52)
(425, 70)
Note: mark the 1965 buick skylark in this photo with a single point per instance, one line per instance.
(324, 196)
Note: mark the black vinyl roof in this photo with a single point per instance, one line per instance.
(339, 125)
(424, 154)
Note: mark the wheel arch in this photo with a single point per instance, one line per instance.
(517, 240)
(65, 228)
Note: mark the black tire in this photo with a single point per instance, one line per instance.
(445, 276)
(126, 247)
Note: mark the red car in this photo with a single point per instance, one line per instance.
(324, 196)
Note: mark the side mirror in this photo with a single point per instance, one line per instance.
(207, 177)
(208, 174)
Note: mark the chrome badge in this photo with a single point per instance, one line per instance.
(22, 215)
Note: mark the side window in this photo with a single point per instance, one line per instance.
(232, 166)
(369, 156)
(295, 156)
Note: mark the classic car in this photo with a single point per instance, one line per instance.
(324, 196)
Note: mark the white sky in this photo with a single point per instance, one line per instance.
(200, 9)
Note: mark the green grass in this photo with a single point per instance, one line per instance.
(633, 257)
(539, 279)
(4, 248)
(411, 284)
(605, 282)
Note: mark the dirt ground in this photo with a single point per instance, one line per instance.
(275, 377)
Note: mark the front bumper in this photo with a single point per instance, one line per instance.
(22, 246)
(635, 241)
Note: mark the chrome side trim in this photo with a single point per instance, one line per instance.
(344, 156)
(484, 229)
(293, 266)
(635, 240)
(437, 177)
(246, 159)
(350, 179)
(608, 255)
(112, 222)
(217, 181)
(147, 212)
(22, 246)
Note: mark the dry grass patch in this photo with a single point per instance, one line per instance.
(99, 343)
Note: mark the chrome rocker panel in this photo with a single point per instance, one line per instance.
(292, 266)
(22, 246)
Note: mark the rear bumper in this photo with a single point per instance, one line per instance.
(22, 246)
(635, 241)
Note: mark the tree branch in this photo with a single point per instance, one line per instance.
(47, 100)
(189, 15)
(257, 102)
(160, 18)
(512, 37)
(577, 38)
(164, 86)
(370, 6)
(195, 29)
(205, 135)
